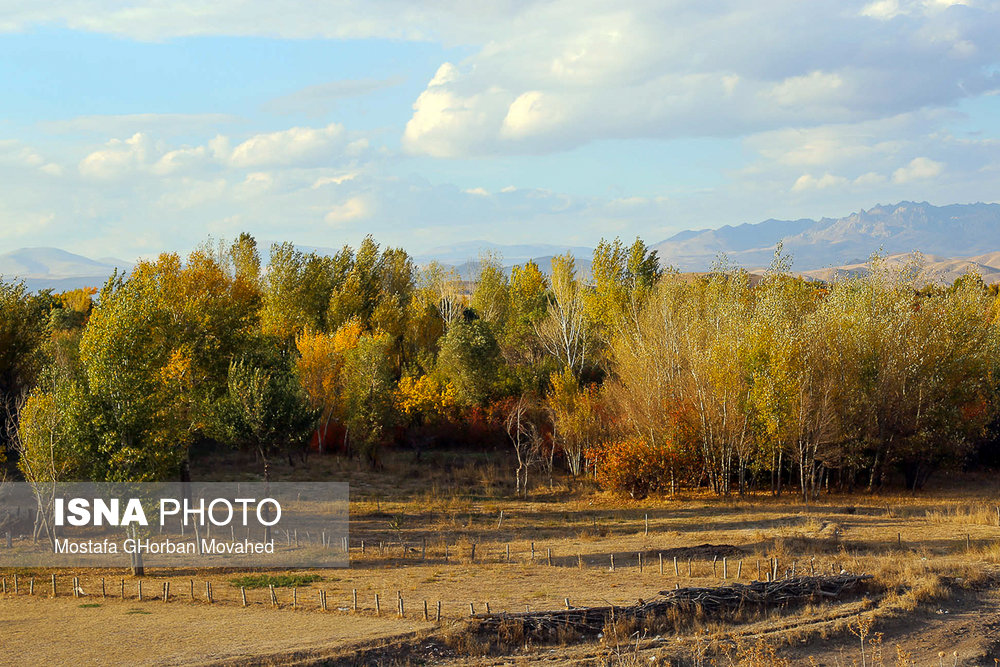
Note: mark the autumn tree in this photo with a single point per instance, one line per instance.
(442, 287)
(566, 332)
(575, 416)
(320, 368)
(522, 419)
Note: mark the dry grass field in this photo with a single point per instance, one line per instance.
(934, 598)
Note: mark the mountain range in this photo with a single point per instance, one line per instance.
(957, 230)
(58, 270)
(955, 239)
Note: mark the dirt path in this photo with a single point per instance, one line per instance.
(966, 628)
(60, 632)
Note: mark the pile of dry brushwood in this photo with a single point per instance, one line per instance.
(717, 602)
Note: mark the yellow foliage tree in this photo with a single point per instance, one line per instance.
(424, 399)
(320, 368)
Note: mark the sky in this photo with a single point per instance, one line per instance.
(127, 129)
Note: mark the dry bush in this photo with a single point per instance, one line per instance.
(466, 640)
(972, 514)
(511, 633)
(756, 652)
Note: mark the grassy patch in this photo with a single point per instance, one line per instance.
(278, 581)
(89, 605)
(138, 611)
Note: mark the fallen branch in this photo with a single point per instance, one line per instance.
(710, 602)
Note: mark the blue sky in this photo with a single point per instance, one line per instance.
(130, 128)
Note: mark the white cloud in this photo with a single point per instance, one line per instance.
(354, 208)
(890, 9)
(181, 159)
(919, 168)
(640, 69)
(810, 182)
(815, 87)
(118, 158)
(870, 178)
(339, 179)
(297, 145)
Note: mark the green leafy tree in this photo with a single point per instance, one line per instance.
(368, 395)
(22, 334)
(266, 410)
(470, 359)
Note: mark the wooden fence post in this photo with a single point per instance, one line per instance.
(243, 594)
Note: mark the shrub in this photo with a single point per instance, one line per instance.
(634, 467)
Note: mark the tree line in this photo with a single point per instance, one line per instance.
(647, 379)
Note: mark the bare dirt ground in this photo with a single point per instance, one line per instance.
(936, 557)
(61, 632)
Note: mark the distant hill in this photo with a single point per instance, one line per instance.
(935, 270)
(957, 230)
(59, 270)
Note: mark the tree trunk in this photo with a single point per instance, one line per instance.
(138, 569)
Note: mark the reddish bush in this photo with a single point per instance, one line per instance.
(634, 467)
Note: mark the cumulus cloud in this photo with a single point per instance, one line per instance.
(353, 209)
(919, 168)
(118, 157)
(640, 69)
(297, 145)
(810, 182)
